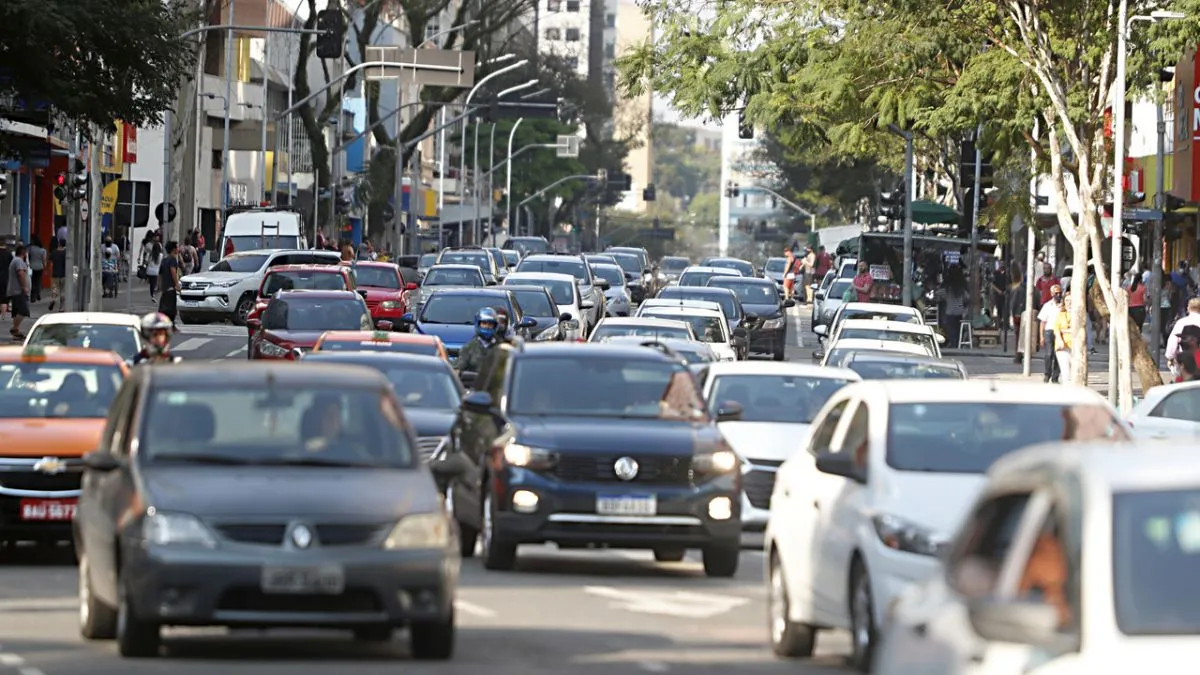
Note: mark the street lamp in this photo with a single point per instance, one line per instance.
(462, 167)
(491, 159)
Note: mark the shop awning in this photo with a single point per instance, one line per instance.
(932, 213)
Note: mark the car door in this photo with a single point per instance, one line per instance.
(1176, 416)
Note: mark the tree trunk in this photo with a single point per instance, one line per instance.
(1142, 361)
(1078, 309)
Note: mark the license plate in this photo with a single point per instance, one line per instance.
(47, 509)
(189, 303)
(571, 325)
(327, 580)
(626, 505)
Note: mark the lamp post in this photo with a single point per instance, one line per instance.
(478, 183)
(909, 300)
(508, 205)
(462, 167)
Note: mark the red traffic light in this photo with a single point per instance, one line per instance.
(60, 179)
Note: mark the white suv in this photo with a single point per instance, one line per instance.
(226, 292)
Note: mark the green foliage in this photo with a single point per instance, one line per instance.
(682, 169)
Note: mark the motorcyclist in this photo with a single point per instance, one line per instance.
(503, 330)
(470, 357)
(156, 333)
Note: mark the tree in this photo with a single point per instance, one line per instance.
(682, 170)
(97, 61)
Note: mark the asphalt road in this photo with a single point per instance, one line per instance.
(602, 612)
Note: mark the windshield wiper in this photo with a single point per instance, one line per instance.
(314, 461)
(197, 458)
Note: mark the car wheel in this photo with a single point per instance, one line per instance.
(673, 555)
(135, 638)
(788, 638)
(779, 354)
(97, 621)
(467, 535)
(498, 554)
(373, 634)
(721, 560)
(863, 630)
(432, 640)
(244, 305)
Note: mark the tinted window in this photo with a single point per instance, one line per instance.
(497, 258)
(920, 339)
(1156, 552)
(838, 289)
(742, 266)
(379, 277)
(605, 331)
(943, 437)
(902, 370)
(707, 328)
(240, 263)
(427, 260)
(453, 277)
(259, 424)
(119, 339)
(775, 398)
(604, 387)
(61, 390)
(527, 245)
(422, 348)
(316, 314)
(750, 293)
(612, 274)
(728, 303)
(674, 264)
(479, 259)
(511, 258)
(458, 309)
(535, 303)
(563, 292)
(1182, 405)
(303, 280)
(629, 262)
(695, 278)
(775, 265)
(572, 266)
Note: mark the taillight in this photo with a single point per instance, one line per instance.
(228, 246)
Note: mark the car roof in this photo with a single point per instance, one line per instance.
(94, 318)
(491, 291)
(686, 310)
(1106, 466)
(307, 267)
(673, 343)
(680, 302)
(980, 390)
(881, 307)
(703, 290)
(454, 266)
(676, 257)
(525, 287)
(328, 295)
(616, 267)
(371, 263)
(56, 354)
(727, 278)
(596, 349)
(725, 258)
(288, 375)
(641, 321)
(889, 326)
(383, 358)
(372, 335)
(792, 368)
(727, 271)
(552, 276)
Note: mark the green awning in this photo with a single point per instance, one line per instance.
(932, 213)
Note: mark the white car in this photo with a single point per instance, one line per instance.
(889, 331)
(889, 472)
(642, 327)
(1171, 411)
(565, 291)
(616, 296)
(699, 276)
(227, 291)
(1077, 559)
(825, 306)
(110, 331)
(779, 401)
(876, 311)
(843, 348)
(708, 324)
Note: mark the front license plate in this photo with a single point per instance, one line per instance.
(189, 303)
(47, 509)
(571, 325)
(327, 580)
(626, 505)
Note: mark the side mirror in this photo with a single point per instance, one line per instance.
(941, 339)
(565, 316)
(630, 276)
(814, 286)
(750, 317)
(479, 402)
(491, 281)
(789, 303)
(821, 330)
(819, 295)
(818, 355)
(730, 411)
(296, 354)
(408, 318)
(450, 466)
(101, 460)
(410, 286)
(527, 322)
(840, 464)
(467, 378)
(384, 325)
(1019, 622)
(603, 284)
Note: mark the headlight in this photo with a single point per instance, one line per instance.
(272, 349)
(516, 454)
(551, 333)
(721, 461)
(773, 324)
(176, 529)
(901, 535)
(390, 304)
(419, 531)
(225, 283)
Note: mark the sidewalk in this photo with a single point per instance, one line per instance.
(138, 304)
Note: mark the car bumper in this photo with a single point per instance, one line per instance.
(769, 341)
(566, 513)
(207, 305)
(52, 524)
(892, 572)
(222, 587)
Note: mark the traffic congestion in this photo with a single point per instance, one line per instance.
(532, 461)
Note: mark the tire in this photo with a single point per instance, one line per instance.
(374, 634)
(136, 639)
(721, 560)
(863, 631)
(244, 305)
(97, 621)
(432, 640)
(788, 638)
(498, 554)
(779, 355)
(672, 555)
(468, 536)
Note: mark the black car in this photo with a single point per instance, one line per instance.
(759, 297)
(744, 266)
(637, 279)
(735, 314)
(308, 505)
(427, 387)
(595, 445)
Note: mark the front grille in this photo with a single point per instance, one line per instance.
(426, 445)
(350, 534)
(758, 486)
(41, 482)
(599, 469)
(373, 305)
(194, 285)
(328, 534)
(267, 534)
(252, 599)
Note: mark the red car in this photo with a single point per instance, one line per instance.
(384, 286)
(294, 321)
(298, 278)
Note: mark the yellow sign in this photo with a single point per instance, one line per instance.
(108, 198)
(429, 199)
(110, 153)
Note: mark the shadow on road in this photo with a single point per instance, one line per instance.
(28, 554)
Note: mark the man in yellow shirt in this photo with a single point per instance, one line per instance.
(1062, 338)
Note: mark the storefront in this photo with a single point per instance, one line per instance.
(1182, 229)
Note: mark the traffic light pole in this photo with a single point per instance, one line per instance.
(909, 299)
(94, 217)
(804, 212)
(972, 267)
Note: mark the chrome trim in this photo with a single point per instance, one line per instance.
(623, 520)
(35, 494)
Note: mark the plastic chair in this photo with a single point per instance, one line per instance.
(966, 337)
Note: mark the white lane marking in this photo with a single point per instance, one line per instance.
(473, 609)
(11, 660)
(674, 603)
(36, 604)
(654, 666)
(28, 670)
(212, 330)
(190, 344)
(799, 328)
(237, 352)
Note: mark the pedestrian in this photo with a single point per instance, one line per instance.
(37, 266)
(1047, 315)
(863, 282)
(61, 234)
(109, 269)
(956, 297)
(1044, 284)
(1188, 356)
(1015, 301)
(1137, 301)
(169, 281)
(1062, 339)
(19, 285)
(6, 257)
(789, 273)
(809, 268)
(58, 274)
(1192, 318)
(824, 263)
(152, 263)
(187, 258)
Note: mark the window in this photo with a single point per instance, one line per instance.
(57, 390)
(979, 553)
(822, 438)
(775, 398)
(572, 5)
(1182, 405)
(116, 338)
(553, 5)
(1156, 546)
(432, 29)
(604, 387)
(572, 35)
(857, 438)
(1047, 576)
(216, 160)
(610, 20)
(553, 34)
(610, 52)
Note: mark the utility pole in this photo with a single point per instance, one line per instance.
(1154, 292)
(94, 217)
(228, 113)
(70, 301)
(972, 257)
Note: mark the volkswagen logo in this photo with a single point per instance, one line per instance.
(302, 537)
(51, 466)
(626, 468)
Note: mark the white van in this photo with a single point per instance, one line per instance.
(262, 228)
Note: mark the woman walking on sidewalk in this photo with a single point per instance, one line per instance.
(37, 265)
(153, 263)
(58, 274)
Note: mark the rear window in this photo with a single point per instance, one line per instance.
(610, 273)
(901, 370)
(257, 242)
(674, 264)
(535, 303)
(603, 332)
(303, 280)
(343, 345)
(572, 266)
(119, 339)
(480, 259)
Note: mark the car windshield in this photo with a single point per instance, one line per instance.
(320, 425)
(674, 265)
(427, 260)
(241, 263)
(60, 390)
(406, 347)
(255, 242)
(453, 277)
(877, 315)
(922, 340)
(775, 398)
(563, 292)
(511, 258)
(838, 289)
(378, 277)
(629, 263)
(749, 292)
(955, 437)
(612, 274)
(528, 245)
(742, 266)
(905, 370)
(480, 259)
(605, 331)
(497, 258)
(1156, 551)
(573, 266)
(588, 386)
(775, 265)
(459, 309)
(707, 328)
(316, 314)
(120, 339)
(726, 301)
(695, 278)
(535, 303)
(303, 280)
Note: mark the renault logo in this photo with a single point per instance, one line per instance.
(626, 468)
(50, 465)
(302, 537)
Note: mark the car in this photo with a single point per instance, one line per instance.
(567, 296)
(671, 267)
(690, 352)
(536, 302)
(881, 365)
(870, 311)
(227, 291)
(618, 300)
(638, 282)
(648, 270)
(499, 261)
(450, 315)
(52, 408)
(645, 327)
(526, 245)
(1167, 412)
(444, 276)
(425, 262)
(699, 276)
(296, 278)
(112, 331)
(735, 315)
(708, 323)
(511, 259)
(381, 341)
(844, 348)
(774, 270)
(779, 402)
(595, 445)
(384, 287)
(472, 255)
(307, 506)
(888, 331)
(591, 289)
(744, 267)
(889, 470)
(768, 335)
(825, 306)
(294, 320)
(820, 290)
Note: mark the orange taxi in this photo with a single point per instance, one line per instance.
(381, 341)
(53, 406)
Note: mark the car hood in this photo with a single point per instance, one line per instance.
(50, 437)
(453, 335)
(770, 441)
(297, 338)
(900, 495)
(614, 293)
(210, 277)
(777, 277)
(429, 421)
(289, 492)
(763, 311)
(422, 293)
(379, 294)
(614, 435)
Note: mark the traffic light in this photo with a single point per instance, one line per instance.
(619, 182)
(79, 186)
(331, 40)
(732, 190)
(3, 186)
(891, 205)
(648, 194)
(745, 130)
(60, 187)
(966, 176)
(342, 204)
